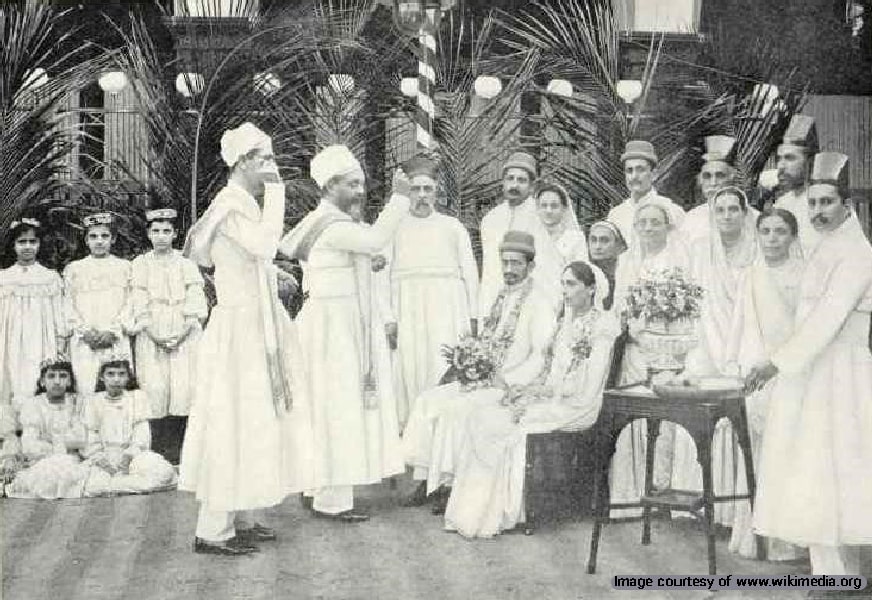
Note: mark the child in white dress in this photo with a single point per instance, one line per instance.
(168, 306)
(52, 435)
(97, 289)
(119, 438)
(32, 325)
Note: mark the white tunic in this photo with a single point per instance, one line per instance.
(434, 294)
(430, 441)
(552, 256)
(815, 482)
(167, 294)
(96, 295)
(31, 325)
(624, 213)
(241, 450)
(353, 445)
(494, 225)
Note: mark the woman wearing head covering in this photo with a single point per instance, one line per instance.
(655, 247)
(561, 239)
(605, 244)
(763, 320)
(487, 495)
(720, 260)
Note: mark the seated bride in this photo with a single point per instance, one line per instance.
(487, 495)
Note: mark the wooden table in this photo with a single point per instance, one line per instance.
(699, 418)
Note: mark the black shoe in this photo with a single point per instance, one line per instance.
(418, 497)
(349, 516)
(232, 547)
(306, 501)
(257, 533)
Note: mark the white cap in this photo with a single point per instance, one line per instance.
(332, 161)
(238, 142)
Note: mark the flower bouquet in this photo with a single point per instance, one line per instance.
(667, 304)
(473, 362)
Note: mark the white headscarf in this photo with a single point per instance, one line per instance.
(236, 143)
(602, 285)
(332, 161)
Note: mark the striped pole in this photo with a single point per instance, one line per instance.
(426, 82)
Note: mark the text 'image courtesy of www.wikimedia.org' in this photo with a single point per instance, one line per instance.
(738, 582)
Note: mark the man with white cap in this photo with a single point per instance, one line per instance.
(434, 287)
(517, 212)
(640, 160)
(815, 484)
(795, 156)
(244, 447)
(356, 436)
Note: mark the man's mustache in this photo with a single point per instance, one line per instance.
(820, 219)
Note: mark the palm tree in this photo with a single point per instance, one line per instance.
(44, 58)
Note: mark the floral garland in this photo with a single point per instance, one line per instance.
(499, 344)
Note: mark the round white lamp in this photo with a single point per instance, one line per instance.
(267, 83)
(629, 90)
(188, 84)
(487, 87)
(560, 87)
(112, 82)
(409, 86)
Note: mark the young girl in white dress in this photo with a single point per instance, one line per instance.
(167, 307)
(97, 290)
(52, 435)
(119, 438)
(32, 327)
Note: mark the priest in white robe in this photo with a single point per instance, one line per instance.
(815, 485)
(348, 381)
(640, 160)
(247, 435)
(516, 212)
(795, 156)
(433, 287)
(520, 322)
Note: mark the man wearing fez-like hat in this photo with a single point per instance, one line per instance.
(815, 485)
(523, 315)
(795, 155)
(640, 160)
(516, 211)
(240, 449)
(434, 286)
(349, 381)
(718, 170)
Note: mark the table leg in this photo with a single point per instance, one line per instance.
(744, 436)
(604, 448)
(653, 427)
(529, 507)
(704, 456)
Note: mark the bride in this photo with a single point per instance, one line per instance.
(487, 496)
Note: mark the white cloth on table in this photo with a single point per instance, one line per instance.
(242, 450)
(96, 297)
(31, 323)
(433, 296)
(166, 296)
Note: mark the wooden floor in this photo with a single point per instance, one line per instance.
(139, 547)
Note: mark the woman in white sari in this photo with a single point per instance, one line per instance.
(655, 247)
(720, 261)
(560, 241)
(487, 497)
(763, 320)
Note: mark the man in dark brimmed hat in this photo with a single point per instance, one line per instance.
(640, 159)
(516, 212)
(815, 485)
(434, 287)
(524, 316)
(795, 156)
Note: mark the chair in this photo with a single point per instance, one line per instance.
(559, 470)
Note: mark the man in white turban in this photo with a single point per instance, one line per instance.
(349, 377)
(244, 447)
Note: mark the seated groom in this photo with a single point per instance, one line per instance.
(521, 320)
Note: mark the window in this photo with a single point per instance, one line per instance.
(677, 16)
(215, 8)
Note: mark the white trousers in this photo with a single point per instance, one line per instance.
(220, 525)
(834, 560)
(332, 500)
